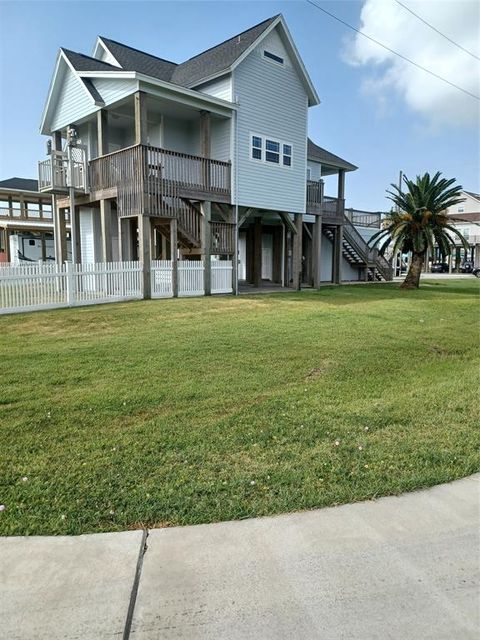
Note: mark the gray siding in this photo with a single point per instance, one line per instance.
(115, 89)
(220, 139)
(219, 88)
(73, 102)
(273, 103)
(349, 272)
(181, 135)
(326, 257)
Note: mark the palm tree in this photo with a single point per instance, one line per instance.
(420, 222)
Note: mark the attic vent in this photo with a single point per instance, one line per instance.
(272, 56)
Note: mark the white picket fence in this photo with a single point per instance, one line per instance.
(48, 286)
(222, 274)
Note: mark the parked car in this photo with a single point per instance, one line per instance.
(466, 267)
(440, 267)
(476, 272)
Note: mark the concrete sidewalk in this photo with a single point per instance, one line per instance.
(396, 568)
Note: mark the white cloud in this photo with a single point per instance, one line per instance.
(390, 77)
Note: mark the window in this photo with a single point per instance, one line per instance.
(272, 56)
(33, 209)
(256, 148)
(271, 151)
(461, 209)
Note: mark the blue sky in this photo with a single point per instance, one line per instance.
(379, 136)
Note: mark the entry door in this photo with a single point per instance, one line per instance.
(242, 256)
(267, 256)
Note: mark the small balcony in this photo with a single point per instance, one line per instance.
(147, 180)
(56, 174)
(318, 204)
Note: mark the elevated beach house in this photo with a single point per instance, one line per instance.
(205, 160)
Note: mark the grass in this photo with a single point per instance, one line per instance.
(177, 412)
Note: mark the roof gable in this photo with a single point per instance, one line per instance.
(219, 58)
(69, 95)
(131, 59)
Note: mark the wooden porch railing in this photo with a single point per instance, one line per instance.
(149, 180)
(223, 237)
(314, 193)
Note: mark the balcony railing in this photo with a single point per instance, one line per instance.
(223, 237)
(318, 204)
(146, 179)
(364, 218)
(56, 174)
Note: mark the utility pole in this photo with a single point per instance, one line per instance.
(398, 258)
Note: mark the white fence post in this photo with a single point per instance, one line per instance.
(71, 288)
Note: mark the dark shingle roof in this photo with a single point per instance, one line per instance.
(20, 184)
(317, 154)
(80, 62)
(132, 59)
(187, 74)
(92, 89)
(218, 58)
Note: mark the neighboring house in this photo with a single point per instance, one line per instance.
(26, 222)
(209, 157)
(466, 218)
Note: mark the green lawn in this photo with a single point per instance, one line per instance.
(176, 412)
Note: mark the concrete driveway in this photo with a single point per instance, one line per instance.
(398, 568)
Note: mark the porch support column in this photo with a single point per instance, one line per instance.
(144, 253)
(337, 254)
(140, 102)
(205, 147)
(205, 138)
(206, 209)
(257, 252)
(174, 255)
(75, 221)
(297, 253)
(106, 224)
(59, 224)
(59, 232)
(317, 252)
(341, 193)
(102, 132)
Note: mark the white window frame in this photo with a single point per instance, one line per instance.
(263, 148)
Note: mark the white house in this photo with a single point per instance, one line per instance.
(466, 218)
(209, 157)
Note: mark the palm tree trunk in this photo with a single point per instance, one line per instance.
(412, 281)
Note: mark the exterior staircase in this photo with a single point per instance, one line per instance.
(189, 222)
(357, 253)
